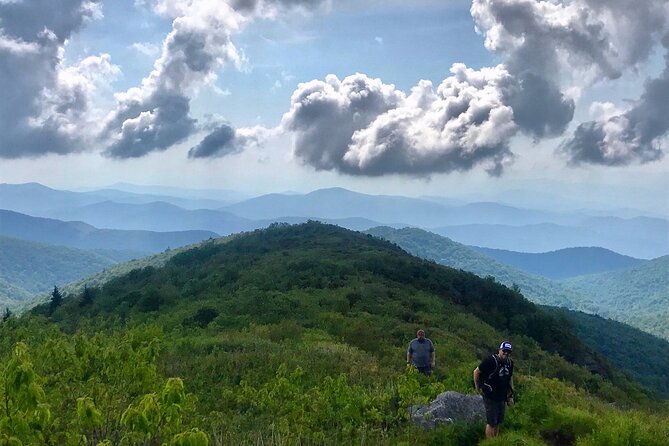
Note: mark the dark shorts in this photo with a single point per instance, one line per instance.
(427, 371)
(494, 411)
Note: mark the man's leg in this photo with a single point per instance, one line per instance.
(427, 371)
(493, 413)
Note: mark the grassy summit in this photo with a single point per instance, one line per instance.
(296, 335)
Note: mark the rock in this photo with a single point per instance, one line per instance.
(448, 407)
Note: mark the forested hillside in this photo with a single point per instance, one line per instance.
(297, 335)
(28, 267)
(642, 355)
(638, 296)
(456, 255)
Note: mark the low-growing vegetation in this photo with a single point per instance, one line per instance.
(297, 335)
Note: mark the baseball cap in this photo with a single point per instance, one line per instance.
(505, 345)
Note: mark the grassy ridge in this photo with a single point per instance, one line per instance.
(296, 335)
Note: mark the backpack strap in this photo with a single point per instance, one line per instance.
(496, 368)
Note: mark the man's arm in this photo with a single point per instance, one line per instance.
(432, 355)
(510, 391)
(477, 376)
(409, 355)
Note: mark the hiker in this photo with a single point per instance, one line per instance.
(420, 353)
(493, 379)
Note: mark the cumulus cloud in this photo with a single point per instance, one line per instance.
(361, 126)
(272, 7)
(550, 49)
(225, 140)
(625, 137)
(156, 115)
(43, 101)
(595, 40)
(325, 114)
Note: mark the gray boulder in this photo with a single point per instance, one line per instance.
(448, 407)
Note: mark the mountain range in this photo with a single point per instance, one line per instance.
(637, 295)
(563, 263)
(82, 235)
(306, 327)
(485, 224)
(447, 252)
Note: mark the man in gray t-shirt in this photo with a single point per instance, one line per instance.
(420, 353)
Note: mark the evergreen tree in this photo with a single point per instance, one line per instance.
(7, 314)
(86, 296)
(56, 298)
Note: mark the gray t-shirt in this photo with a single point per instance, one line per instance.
(421, 352)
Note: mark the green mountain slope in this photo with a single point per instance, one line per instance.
(29, 268)
(638, 296)
(427, 245)
(445, 251)
(297, 335)
(642, 355)
(98, 279)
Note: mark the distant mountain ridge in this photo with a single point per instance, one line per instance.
(336, 203)
(442, 250)
(84, 236)
(28, 268)
(640, 237)
(41, 201)
(486, 224)
(638, 296)
(563, 263)
(156, 216)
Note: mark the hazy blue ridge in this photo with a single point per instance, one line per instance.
(84, 236)
(156, 216)
(337, 203)
(563, 263)
(641, 237)
(42, 201)
(442, 250)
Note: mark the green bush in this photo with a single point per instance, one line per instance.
(628, 429)
(566, 424)
(513, 439)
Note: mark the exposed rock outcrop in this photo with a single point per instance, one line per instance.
(448, 407)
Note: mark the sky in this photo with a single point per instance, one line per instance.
(471, 100)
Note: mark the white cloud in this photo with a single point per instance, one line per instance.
(156, 115)
(146, 49)
(361, 126)
(45, 103)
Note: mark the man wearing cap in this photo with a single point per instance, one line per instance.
(493, 379)
(420, 353)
